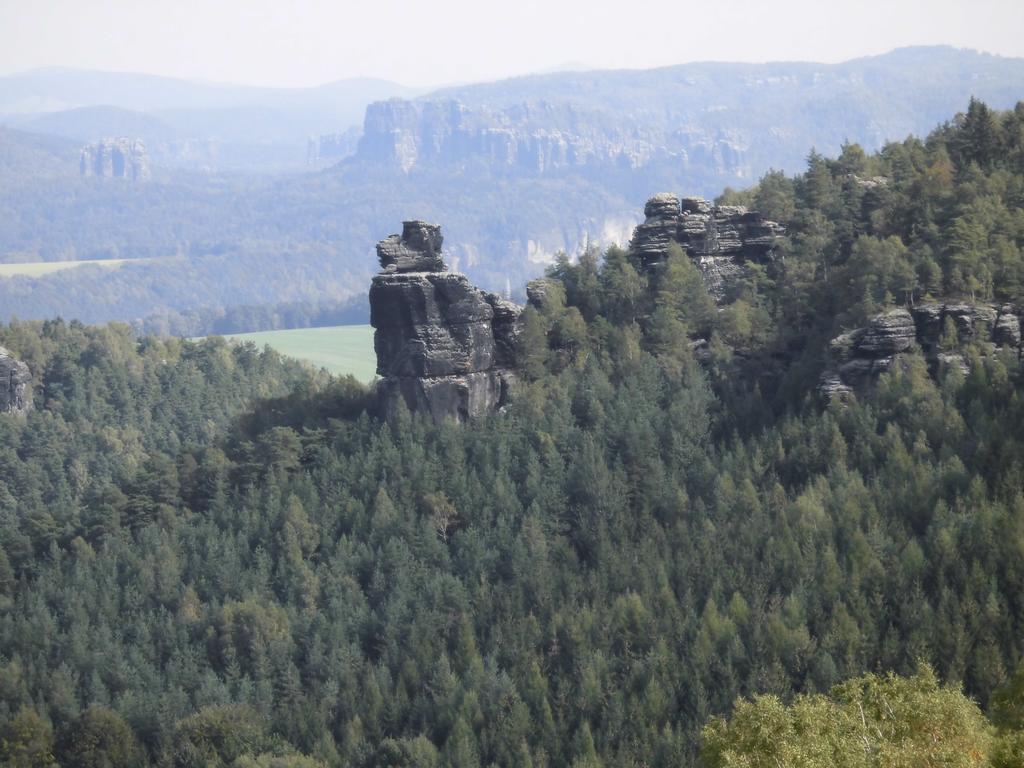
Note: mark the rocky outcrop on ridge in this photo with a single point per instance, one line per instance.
(119, 158)
(939, 331)
(15, 384)
(720, 239)
(444, 347)
(863, 353)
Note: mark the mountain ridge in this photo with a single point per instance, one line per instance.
(718, 122)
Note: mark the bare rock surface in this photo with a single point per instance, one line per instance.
(444, 347)
(972, 322)
(720, 239)
(886, 334)
(938, 330)
(15, 384)
(430, 324)
(505, 329)
(116, 158)
(1007, 328)
(417, 249)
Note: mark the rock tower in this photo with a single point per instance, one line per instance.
(15, 384)
(444, 347)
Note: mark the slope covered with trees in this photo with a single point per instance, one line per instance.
(210, 557)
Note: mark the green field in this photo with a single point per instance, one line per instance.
(341, 349)
(40, 268)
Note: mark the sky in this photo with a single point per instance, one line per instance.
(433, 42)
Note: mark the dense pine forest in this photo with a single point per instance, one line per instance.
(211, 556)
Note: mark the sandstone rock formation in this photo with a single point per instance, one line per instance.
(444, 347)
(534, 138)
(417, 249)
(939, 331)
(15, 384)
(119, 158)
(537, 290)
(720, 239)
(867, 352)
(332, 147)
(1006, 332)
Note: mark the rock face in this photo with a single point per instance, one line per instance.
(537, 138)
(119, 158)
(867, 352)
(417, 249)
(972, 322)
(720, 239)
(444, 347)
(937, 330)
(15, 384)
(1007, 328)
(332, 147)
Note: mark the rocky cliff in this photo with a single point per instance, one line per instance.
(119, 158)
(537, 138)
(938, 331)
(705, 125)
(332, 147)
(15, 384)
(720, 239)
(444, 347)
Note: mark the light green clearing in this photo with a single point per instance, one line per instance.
(341, 349)
(40, 268)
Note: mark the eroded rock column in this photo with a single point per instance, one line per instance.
(444, 347)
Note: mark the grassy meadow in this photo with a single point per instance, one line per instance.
(342, 349)
(42, 268)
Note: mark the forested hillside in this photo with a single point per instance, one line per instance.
(211, 557)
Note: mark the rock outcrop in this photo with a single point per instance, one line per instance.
(15, 384)
(720, 239)
(863, 353)
(444, 347)
(1006, 332)
(119, 158)
(332, 147)
(939, 331)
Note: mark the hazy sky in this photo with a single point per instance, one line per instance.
(277, 42)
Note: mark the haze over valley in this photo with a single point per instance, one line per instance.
(297, 184)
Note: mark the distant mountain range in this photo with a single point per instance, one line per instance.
(706, 123)
(515, 169)
(702, 126)
(189, 123)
